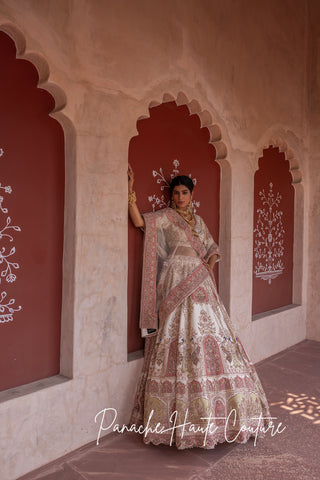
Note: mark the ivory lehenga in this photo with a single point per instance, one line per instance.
(195, 370)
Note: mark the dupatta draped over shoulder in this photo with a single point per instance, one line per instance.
(168, 235)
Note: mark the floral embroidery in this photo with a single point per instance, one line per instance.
(195, 355)
(194, 387)
(238, 382)
(224, 384)
(159, 358)
(166, 387)
(209, 386)
(200, 295)
(153, 387)
(204, 323)
(220, 412)
(180, 388)
(248, 382)
(213, 361)
(172, 359)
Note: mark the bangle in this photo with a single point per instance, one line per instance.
(132, 198)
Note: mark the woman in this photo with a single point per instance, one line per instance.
(197, 386)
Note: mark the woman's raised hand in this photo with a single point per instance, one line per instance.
(130, 178)
(135, 215)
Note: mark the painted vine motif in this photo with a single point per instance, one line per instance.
(269, 237)
(8, 266)
(159, 201)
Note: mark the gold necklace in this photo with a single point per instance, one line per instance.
(188, 217)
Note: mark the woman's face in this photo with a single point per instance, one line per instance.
(181, 195)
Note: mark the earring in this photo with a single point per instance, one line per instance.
(173, 204)
(190, 208)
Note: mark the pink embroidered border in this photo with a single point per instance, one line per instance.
(148, 314)
(183, 290)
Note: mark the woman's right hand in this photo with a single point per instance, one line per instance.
(130, 178)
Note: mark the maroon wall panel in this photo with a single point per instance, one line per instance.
(169, 143)
(273, 233)
(32, 164)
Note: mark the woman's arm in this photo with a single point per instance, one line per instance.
(134, 212)
(212, 260)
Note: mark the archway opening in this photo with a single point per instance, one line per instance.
(32, 214)
(274, 216)
(171, 141)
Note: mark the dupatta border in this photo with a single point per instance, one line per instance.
(148, 314)
(183, 290)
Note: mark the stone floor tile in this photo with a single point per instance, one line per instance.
(143, 462)
(63, 472)
(278, 381)
(310, 347)
(215, 455)
(115, 476)
(279, 466)
(296, 361)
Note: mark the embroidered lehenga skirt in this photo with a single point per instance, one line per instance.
(197, 386)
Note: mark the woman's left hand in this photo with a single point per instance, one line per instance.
(212, 261)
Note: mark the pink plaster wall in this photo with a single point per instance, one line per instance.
(246, 63)
(313, 105)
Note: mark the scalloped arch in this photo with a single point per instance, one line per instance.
(277, 136)
(277, 140)
(215, 136)
(39, 62)
(60, 100)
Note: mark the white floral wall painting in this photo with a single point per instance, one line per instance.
(269, 237)
(159, 200)
(8, 266)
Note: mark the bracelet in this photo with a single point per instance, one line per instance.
(132, 198)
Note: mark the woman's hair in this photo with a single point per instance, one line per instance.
(181, 180)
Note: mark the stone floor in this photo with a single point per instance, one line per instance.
(291, 382)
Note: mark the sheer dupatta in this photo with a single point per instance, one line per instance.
(157, 251)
